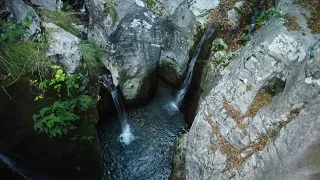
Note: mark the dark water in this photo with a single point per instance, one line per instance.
(155, 127)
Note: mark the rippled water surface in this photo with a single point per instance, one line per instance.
(156, 128)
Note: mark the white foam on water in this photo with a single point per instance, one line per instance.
(126, 137)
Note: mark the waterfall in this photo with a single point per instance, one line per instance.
(187, 81)
(12, 165)
(126, 136)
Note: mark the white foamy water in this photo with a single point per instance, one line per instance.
(126, 137)
(171, 107)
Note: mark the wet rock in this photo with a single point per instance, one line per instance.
(179, 159)
(138, 41)
(264, 102)
(63, 47)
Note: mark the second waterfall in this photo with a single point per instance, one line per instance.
(187, 81)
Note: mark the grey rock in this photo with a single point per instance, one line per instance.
(139, 40)
(20, 10)
(201, 8)
(48, 4)
(179, 158)
(137, 43)
(63, 47)
(289, 123)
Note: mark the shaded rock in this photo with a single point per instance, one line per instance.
(179, 159)
(137, 43)
(19, 10)
(60, 157)
(48, 4)
(132, 50)
(174, 56)
(63, 47)
(178, 41)
(258, 121)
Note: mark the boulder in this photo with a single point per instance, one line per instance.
(19, 10)
(139, 40)
(259, 120)
(48, 4)
(63, 47)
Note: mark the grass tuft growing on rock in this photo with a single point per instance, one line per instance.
(21, 56)
(18, 56)
(91, 54)
(65, 20)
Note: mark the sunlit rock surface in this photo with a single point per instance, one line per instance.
(260, 120)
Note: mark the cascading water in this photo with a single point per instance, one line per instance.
(12, 165)
(187, 81)
(126, 136)
(156, 127)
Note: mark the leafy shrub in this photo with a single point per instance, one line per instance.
(56, 119)
(60, 117)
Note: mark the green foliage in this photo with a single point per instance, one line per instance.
(17, 55)
(59, 118)
(223, 61)
(91, 54)
(110, 9)
(245, 37)
(67, 7)
(151, 3)
(14, 30)
(267, 15)
(63, 19)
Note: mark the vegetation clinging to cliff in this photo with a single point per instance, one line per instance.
(16, 54)
(73, 98)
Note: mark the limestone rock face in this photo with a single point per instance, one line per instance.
(63, 47)
(49, 4)
(138, 41)
(201, 8)
(259, 120)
